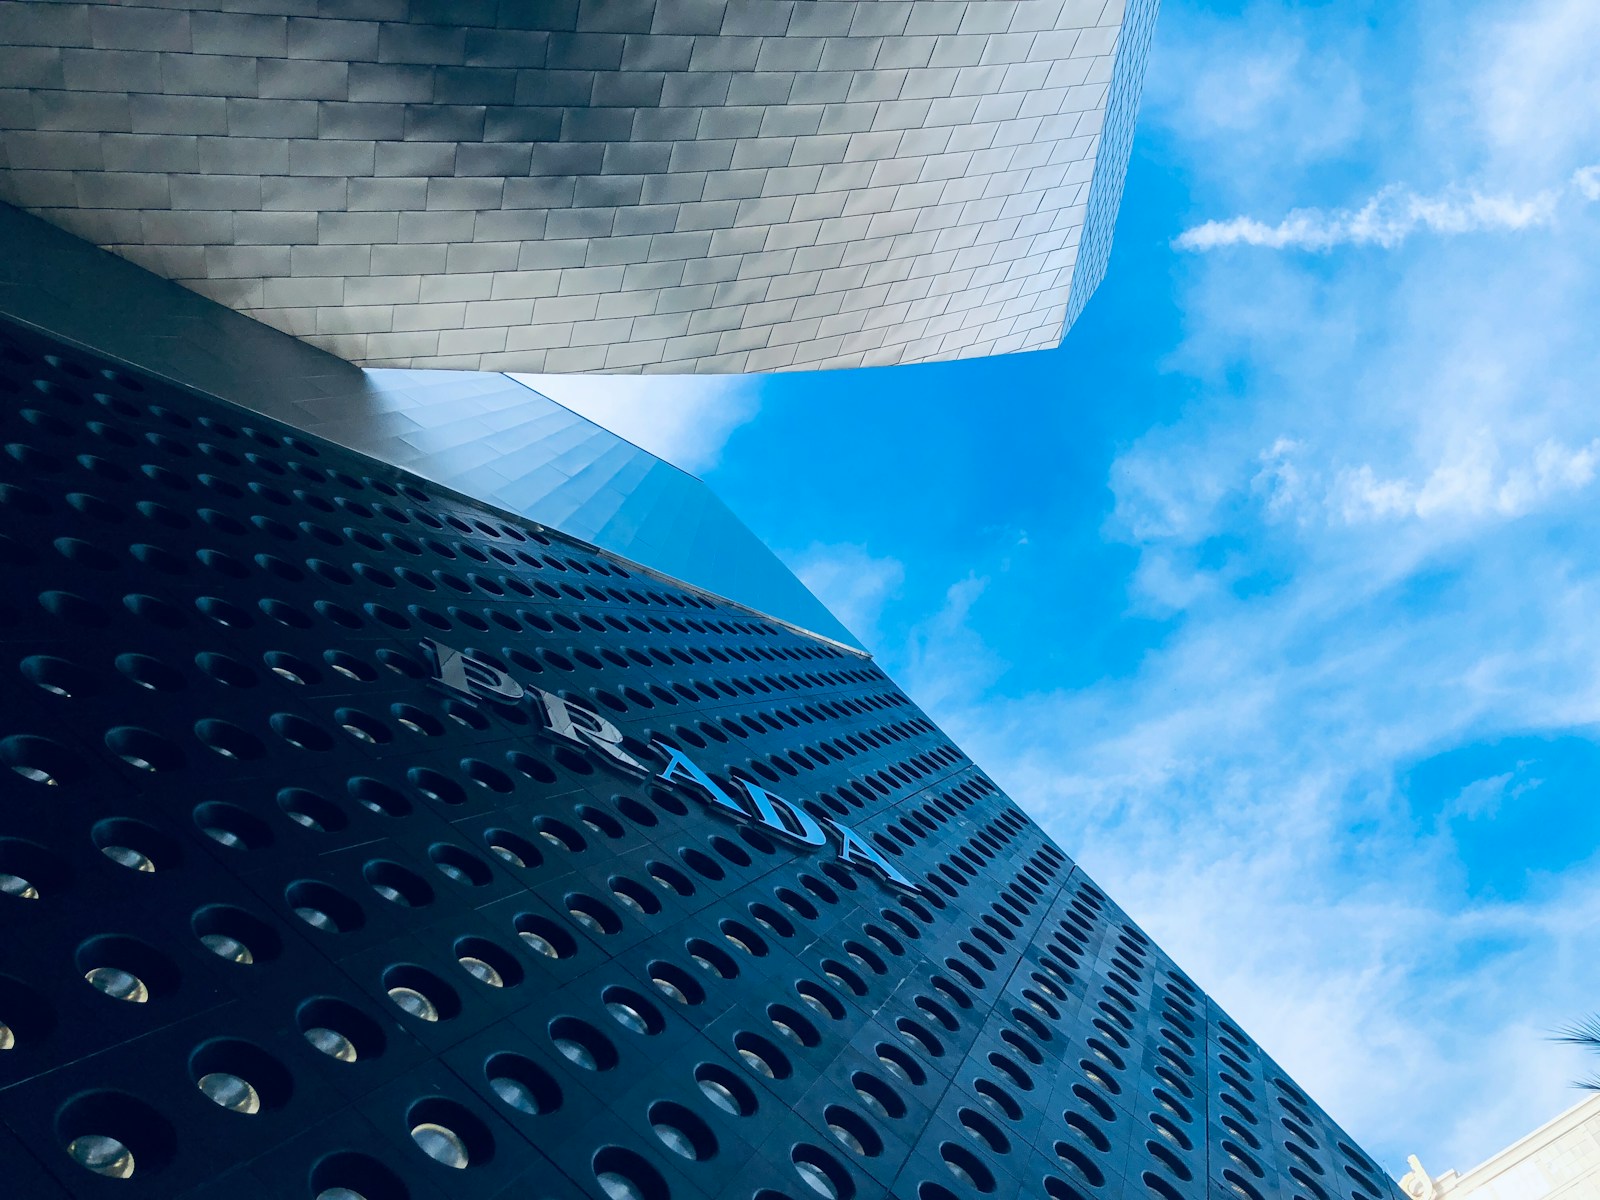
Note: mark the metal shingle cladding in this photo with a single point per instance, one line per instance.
(1111, 161)
(705, 185)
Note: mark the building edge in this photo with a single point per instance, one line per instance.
(434, 424)
(1111, 160)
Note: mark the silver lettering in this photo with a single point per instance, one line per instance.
(785, 819)
(856, 851)
(586, 727)
(467, 675)
(681, 769)
(460, 672)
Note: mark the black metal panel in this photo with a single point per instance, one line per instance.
(223, 733)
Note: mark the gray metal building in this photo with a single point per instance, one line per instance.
(605, 185)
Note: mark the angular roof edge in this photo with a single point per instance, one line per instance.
(481, 435)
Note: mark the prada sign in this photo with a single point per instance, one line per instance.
(465, 675)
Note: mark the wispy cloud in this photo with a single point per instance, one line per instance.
(1392, 216)
(1254, 82)
(1474, 478)
(1368, 533)
(1474, 484)
(1261, 752)
(852, 582)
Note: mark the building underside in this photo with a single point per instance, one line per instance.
(736, 185)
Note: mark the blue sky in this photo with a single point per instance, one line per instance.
(1273, 594)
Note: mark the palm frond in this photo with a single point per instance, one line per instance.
(1584, 1033)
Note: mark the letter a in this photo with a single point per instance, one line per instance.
(856, 851)
(785, 819)
(680, 769)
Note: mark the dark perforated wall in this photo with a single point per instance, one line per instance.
(285, 917)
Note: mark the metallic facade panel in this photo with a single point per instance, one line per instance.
(1111, 165)
(403, 155)
(358, 839)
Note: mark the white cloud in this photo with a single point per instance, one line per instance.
(1408, 446)
(853, 584)
(1392, 216)
(946, 660)
(1533, 76)
(1450, 397)
(1254, 90)
(1238, 797)
(1471, 486)
(1500, 99)
(684, 419)
(1279, 479)
(1483, 797)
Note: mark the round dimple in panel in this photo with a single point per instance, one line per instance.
(115, 1135)
(449, 1133)
(58, 676)
(821, 1173)
(144, 750)
(457, 865)
(416, 720)
(844, 978)
(419, 993)
(983, 1131)
(377, 797)
(311, 811)
(126, 969)
(998, 1098)
(819, 1000)
(235, 935)
(669, 879)
(900, 1064)
(488, 963)
(676, 984)
(681, 1131)
(761, 1056)
(742, 937)
(522, 1084)
(29, 871)
(239, 1077)
(592, 914)
(324, 907)
(397, 884)
(791, 1025)
(544, 937)
(339, 1029)
(291, 669)
(582, 1044)
(877, 1097)
(712, 959)
(852, 1131)
(513, 848)
(231, 826)
(632, 1011)
(149, 672)
(625, 1175)
(725, 1090)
